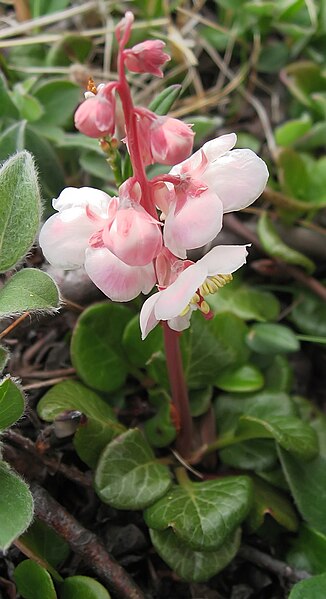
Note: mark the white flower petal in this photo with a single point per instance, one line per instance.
(197, 223)
(147, 318)
(212, 149)
(238, 178)
(64, 238)
(174, 299)
(80, 197)
(117, 280)
(180, 323)
(224, 259)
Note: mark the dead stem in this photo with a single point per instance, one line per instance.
(86, 544)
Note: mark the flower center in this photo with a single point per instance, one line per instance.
(210, 285)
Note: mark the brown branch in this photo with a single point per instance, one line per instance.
(14, 324)
(281, 569)
(236, 226)
(70, 472)
(86, 544)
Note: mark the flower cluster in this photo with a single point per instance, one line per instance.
(139, 239)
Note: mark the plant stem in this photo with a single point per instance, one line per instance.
(178, 389)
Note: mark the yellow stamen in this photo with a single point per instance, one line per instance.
(91, 87)
(214, 283)
(204, 307)
(185, 311)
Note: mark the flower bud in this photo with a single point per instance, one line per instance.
(146, 57)
(95, 117)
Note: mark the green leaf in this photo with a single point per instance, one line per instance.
(293, 174)
(22, 136)
(101, 425)
(273, 56)
(16, 506)
(128, 476)
(291, 131)
(213, 346)
(83, 587)
(313, 588)
(163, 103)
(160, 430)
(59, 99)
(267, 338)
(307, 482)
(279, 375)
(46, 7)
(12, 403)
(203, 126)
(248, 303)
(257, 455)
(96, 351)
(96, 165)
(45, 543)
(269, 501)
(20, 209)
(308, 551)
(274, 246)
(204, 514)
(33, 581)
(29, 107)
(140, 352)
(309, 313)
(28, 290)
(200, 400)
(242, 379)
(193, 566)
(8, 108)
(4, 356)
(297, 437)
(70, 48)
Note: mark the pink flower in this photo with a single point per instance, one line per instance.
(238, 177)
(95, 117)
(146, 57)
(73, 238)
(133, 235)
(163, 139)
(176, 303)
(211, 182)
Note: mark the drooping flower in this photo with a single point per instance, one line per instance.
(73, 238)
(132, 235)
(163, 139)
(238, 177)
(146, 57)
(95, 117)
(176, 302)
(211, 182)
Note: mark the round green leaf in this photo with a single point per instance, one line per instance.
(33, 581)
(243, 379)
(28, 290)
(12, 403)
(203, 515)
(44, 543)
(307, 481)
(269, 501)
(160, 430)
(59, 98)
(16, 506)
(290, 131)
(83, 587)
(69, 48)
(294, 435)
(20, 208)
(140, 352)
(193, 566)
(309, 314)
(313, 588)
(268, 338)
(308, 551)
(248, 303)
(96, 351)
(101, 425)
(128, 476)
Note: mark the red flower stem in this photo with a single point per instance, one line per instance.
(178, 389)
(133, 140)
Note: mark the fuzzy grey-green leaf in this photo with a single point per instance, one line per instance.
(16, 506)
(20, 208)
(11, 403)
(28, 290)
